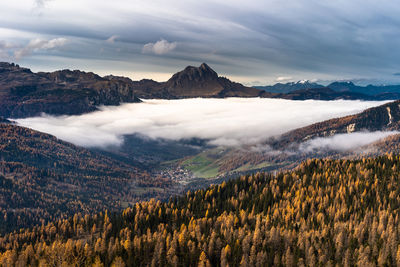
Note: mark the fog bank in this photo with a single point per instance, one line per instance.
(229, 122)
(344, 142)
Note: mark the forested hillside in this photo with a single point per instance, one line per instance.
(42, 178)
(382, 118)
(289, 149)
(324, 213)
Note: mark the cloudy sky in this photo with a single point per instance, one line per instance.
(254, 42)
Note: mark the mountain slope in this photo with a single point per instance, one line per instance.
(323, 93)
(24, 93)
(369, 89)
(283, 88)
(324, 213)
(43, 178)
(343, 90)
(382, 118)
(289, 149)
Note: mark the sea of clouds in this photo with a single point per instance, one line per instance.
(226, 122)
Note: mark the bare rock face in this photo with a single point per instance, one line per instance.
(192, 81)
(191, 75)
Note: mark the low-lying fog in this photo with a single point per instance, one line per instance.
(344, 142)
(230, 122)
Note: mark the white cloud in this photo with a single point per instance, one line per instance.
(41, 3)
(292, 42)
(39, 44)
(160, 47)
(229, 122)
(4, 50)
(284, 79)
(344, 142)
(6, 45)
(112, 39)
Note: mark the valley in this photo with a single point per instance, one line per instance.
(190, 138)
(43, 178)
(199, 133)
(157, 148)
(94, 166)
(293, 147)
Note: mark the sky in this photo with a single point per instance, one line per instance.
(254, 42)
(223, 122)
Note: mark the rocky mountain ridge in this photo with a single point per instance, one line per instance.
(24, 93)
(338, 88)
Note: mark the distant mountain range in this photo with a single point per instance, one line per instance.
(346, 90)
(24, 93)
(283, 88)
(325, 93)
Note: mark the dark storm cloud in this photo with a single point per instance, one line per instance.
(252, 40)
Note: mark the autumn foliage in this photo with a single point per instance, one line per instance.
(43, 179)
(326, 212)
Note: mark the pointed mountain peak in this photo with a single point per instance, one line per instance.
(204, 66)
(195, 74)
(206, 69)
(203, 69)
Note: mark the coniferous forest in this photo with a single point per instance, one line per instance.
(323, 213)
(43, 178)
(199, 133)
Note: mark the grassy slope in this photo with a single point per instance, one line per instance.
(211, 162)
